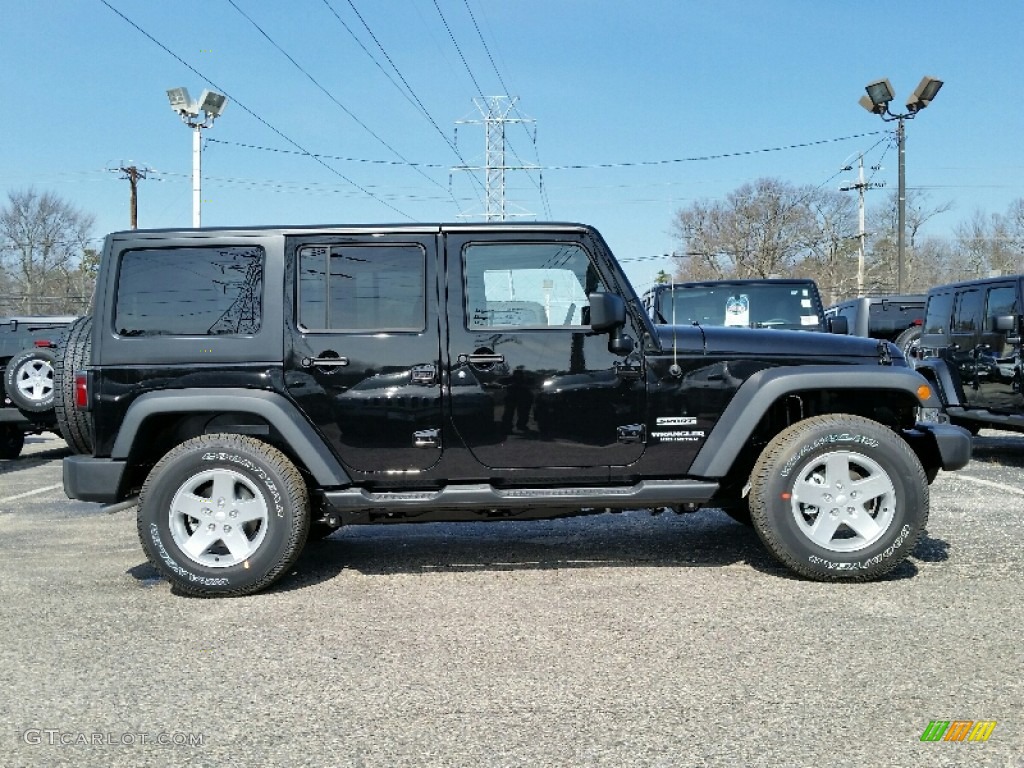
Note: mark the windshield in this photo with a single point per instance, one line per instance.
(786, 306)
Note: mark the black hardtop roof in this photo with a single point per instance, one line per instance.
(412, 228)
(977, 281)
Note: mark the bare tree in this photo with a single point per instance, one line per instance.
(883, 259)
(43, 245)
(832, 245)
(761, 229)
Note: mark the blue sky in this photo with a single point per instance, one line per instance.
(630, 91)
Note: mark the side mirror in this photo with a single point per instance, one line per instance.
(1004, 323)
(838, 324)
(608, 315)
(607, 310)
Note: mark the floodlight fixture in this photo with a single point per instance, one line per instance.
(212, 103)
(880, 95)
(181, 102)
(870, 106)
(880, 92)
(923, 94)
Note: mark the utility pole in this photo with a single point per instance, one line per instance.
(495, 112)
(133, 174)
(860, 186)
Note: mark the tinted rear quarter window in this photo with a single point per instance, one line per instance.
(190, 291)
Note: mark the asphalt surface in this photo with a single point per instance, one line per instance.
(614, 640)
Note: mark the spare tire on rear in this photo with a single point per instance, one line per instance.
(28, 379)
(74, 354)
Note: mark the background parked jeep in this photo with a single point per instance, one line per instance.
(28, 349)
(894, 318)
(970, 348)
(780, 304)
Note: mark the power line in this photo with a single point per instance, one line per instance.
(408, 93)
(451, 36)
(331, 96)
(539, 185)
(583, 166)
(246, 109)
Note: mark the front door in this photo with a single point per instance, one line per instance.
(364, 357)
(998, 355)
(531, 385)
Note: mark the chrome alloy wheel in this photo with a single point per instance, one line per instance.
(843, 501)
(218, 518)
(34, 380)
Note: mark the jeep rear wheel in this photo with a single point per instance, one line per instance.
(28, 380)
(839, 498)
(223, 515)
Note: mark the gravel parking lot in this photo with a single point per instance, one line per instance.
(615, 640)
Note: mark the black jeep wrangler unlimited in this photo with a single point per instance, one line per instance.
(970, 348)
(250, 388)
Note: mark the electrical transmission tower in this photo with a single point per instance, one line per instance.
(496, 114)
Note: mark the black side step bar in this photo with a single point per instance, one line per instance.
(647, 493)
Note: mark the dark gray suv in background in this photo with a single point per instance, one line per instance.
(971, 348)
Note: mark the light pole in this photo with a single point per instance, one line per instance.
(211, 105)
(880, 94)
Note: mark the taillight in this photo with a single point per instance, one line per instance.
(44, 343)
(82, 391)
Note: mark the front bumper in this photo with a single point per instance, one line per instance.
(90, 479)
(940, 446)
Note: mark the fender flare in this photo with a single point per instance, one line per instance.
(938, 372)
(757, 394)
(275, 409)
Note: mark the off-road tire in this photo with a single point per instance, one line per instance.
(12, 440)
(839, 498)
(28, 380)
(238, 504)
(76, 350)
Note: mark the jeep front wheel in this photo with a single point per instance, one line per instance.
(223, 514)
(839, 498)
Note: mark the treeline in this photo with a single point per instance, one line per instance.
(47, 262)
(772, 228)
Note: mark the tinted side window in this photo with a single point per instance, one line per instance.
(528, 285)
(362, 287)
(193, 291)
(1002, 300)
(937, 312)
(967, 317)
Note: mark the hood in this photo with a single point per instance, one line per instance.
(718, 340)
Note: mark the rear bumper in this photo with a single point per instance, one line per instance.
(90, 479)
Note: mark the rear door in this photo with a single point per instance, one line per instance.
(531, 385)
(363, 357)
